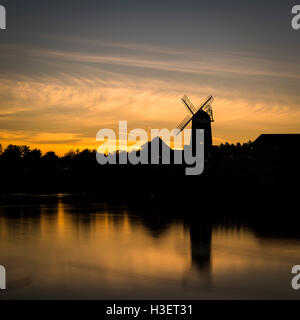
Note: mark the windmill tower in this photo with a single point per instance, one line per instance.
(201, 118)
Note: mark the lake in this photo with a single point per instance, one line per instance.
(60, 247)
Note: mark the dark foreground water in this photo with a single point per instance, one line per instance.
(67, 249)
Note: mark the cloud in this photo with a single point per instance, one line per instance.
(72, 97)
(164, 59)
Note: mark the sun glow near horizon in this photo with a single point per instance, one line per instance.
(58, 89)
(62, 116)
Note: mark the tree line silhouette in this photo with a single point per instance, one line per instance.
(25, 155)
(23, 169)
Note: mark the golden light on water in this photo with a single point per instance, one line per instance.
(113, 249)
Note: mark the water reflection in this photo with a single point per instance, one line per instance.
(65, 248)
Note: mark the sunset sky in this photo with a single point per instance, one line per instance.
(71, 68)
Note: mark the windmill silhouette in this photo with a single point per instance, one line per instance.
(201, 118)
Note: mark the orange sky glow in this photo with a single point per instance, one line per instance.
(59, 86)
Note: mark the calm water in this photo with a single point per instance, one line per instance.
(62, 249)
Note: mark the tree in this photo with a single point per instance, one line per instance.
(50, 156)
(70, 155)
(25, 150)
(12, 153)
(33, 155)
(86, 154)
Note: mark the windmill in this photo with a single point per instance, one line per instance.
(201, 118)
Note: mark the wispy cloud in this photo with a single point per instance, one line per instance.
(78, 93)
(205, 63)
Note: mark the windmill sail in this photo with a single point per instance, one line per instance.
(205, 106)
(209, 99)
(188, 104)
(184, 123)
